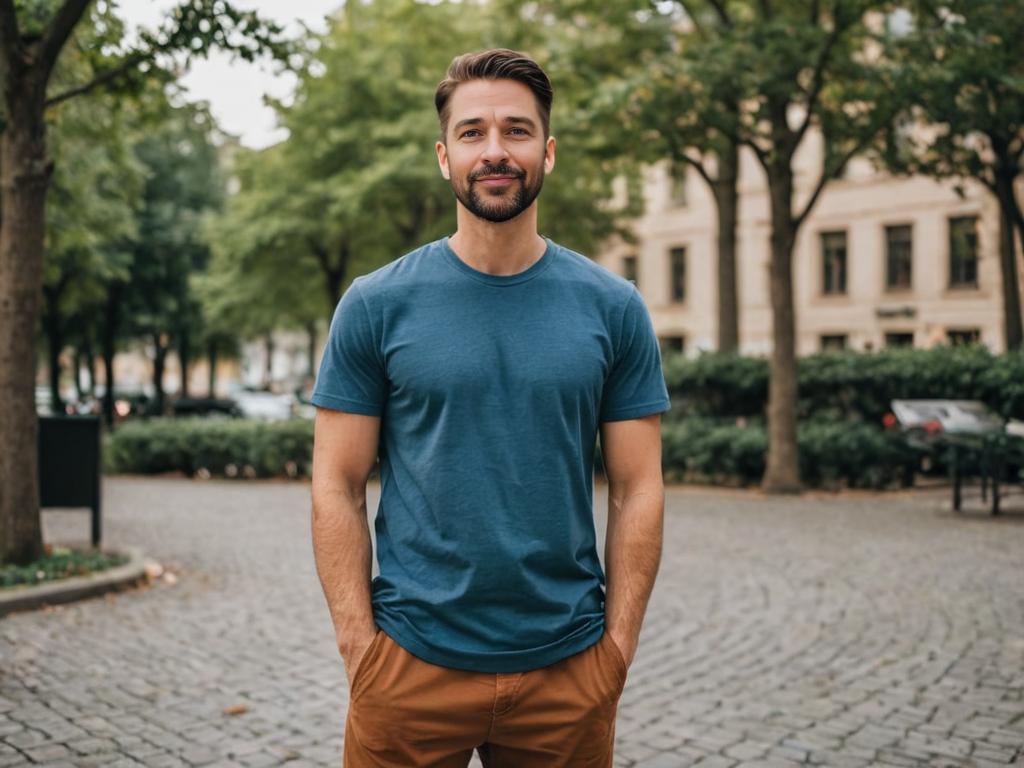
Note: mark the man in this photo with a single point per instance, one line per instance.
(480, 368)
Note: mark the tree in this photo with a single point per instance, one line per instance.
(182, 185)
(691, 115)
(33, 33)
(962, 78)
(356, 184)
(91, 216)
(800, 69)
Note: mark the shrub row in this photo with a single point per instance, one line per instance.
(206, 447)
(832, 454)
(848, 385)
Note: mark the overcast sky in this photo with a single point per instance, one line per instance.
(235, 89)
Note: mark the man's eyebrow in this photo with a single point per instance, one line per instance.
(514, 119)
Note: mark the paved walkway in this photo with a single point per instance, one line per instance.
(839, 631)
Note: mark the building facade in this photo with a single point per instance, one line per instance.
(880, 261)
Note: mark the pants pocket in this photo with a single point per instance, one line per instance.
(368, 657)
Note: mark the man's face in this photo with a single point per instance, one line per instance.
(494, 153)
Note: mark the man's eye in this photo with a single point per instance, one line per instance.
(471, 130)
(522, 131)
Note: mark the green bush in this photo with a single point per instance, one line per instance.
(223, 447)
(832, 454)
(848, 385)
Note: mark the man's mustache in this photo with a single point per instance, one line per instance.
(497, 170)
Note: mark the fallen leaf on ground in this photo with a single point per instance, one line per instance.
(236, 709)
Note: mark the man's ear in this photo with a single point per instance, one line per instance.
(442, 159)
(549, 155)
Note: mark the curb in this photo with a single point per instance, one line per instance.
(75, 588)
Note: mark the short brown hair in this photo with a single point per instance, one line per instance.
(495, 64)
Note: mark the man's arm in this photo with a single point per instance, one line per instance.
(636, 506)
(344, 451)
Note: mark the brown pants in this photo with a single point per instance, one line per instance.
(407, 713)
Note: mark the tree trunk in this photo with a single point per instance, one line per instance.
(782, 473)
(333, 279)
(159, 359)
(80, 388)
(211, 355)
(90, 364)
(268, 368)
(54, 345)
(184, 356)
(111, 321)
(727, 207)
(1012, 328)
(24, 177)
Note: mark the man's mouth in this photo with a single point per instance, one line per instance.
(496, 181)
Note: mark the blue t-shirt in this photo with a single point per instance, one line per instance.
(490, 390)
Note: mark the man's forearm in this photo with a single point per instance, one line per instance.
(343, 552)
(632, 555)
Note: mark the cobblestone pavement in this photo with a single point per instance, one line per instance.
(841, 631)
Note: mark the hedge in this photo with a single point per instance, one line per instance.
(224, 447)
(832, 454)
(848, 385)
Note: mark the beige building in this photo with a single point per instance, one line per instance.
(880, 261)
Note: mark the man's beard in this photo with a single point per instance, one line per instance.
(499, 208)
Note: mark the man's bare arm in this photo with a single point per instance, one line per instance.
(636, 506)
(344, 451)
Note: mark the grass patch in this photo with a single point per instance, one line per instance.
(58, 563)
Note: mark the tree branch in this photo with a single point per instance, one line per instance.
(100, 79)
(698, 165)
(827, 176)
(817, 80)
(58, 32)
(723, 15)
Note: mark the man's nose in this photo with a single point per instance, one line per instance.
(494, 151)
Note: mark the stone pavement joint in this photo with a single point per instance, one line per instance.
(855, 630)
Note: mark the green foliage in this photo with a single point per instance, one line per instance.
(221, 447)
(848, 386)
(716, 385)
(832, 454)
(61, 563)
(962, 77)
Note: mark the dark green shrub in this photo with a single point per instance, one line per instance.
(847, 385)
(231, 448)
(832, 454)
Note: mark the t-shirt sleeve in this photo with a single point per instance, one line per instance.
(351, 376)
(635, 386)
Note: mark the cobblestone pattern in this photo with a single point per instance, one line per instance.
(840, 631)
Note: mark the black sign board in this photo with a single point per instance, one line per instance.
(69, 465)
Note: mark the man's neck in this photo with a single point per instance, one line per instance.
(498, 249)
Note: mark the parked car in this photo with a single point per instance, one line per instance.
(259, 404)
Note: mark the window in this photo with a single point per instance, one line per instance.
(833, 342)
(963, 252)
(898, 252)
(959, 337)
(629, 268)
(677, 185)
(672, 344)
(901, 339)
(833, 255)
(677, 273)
